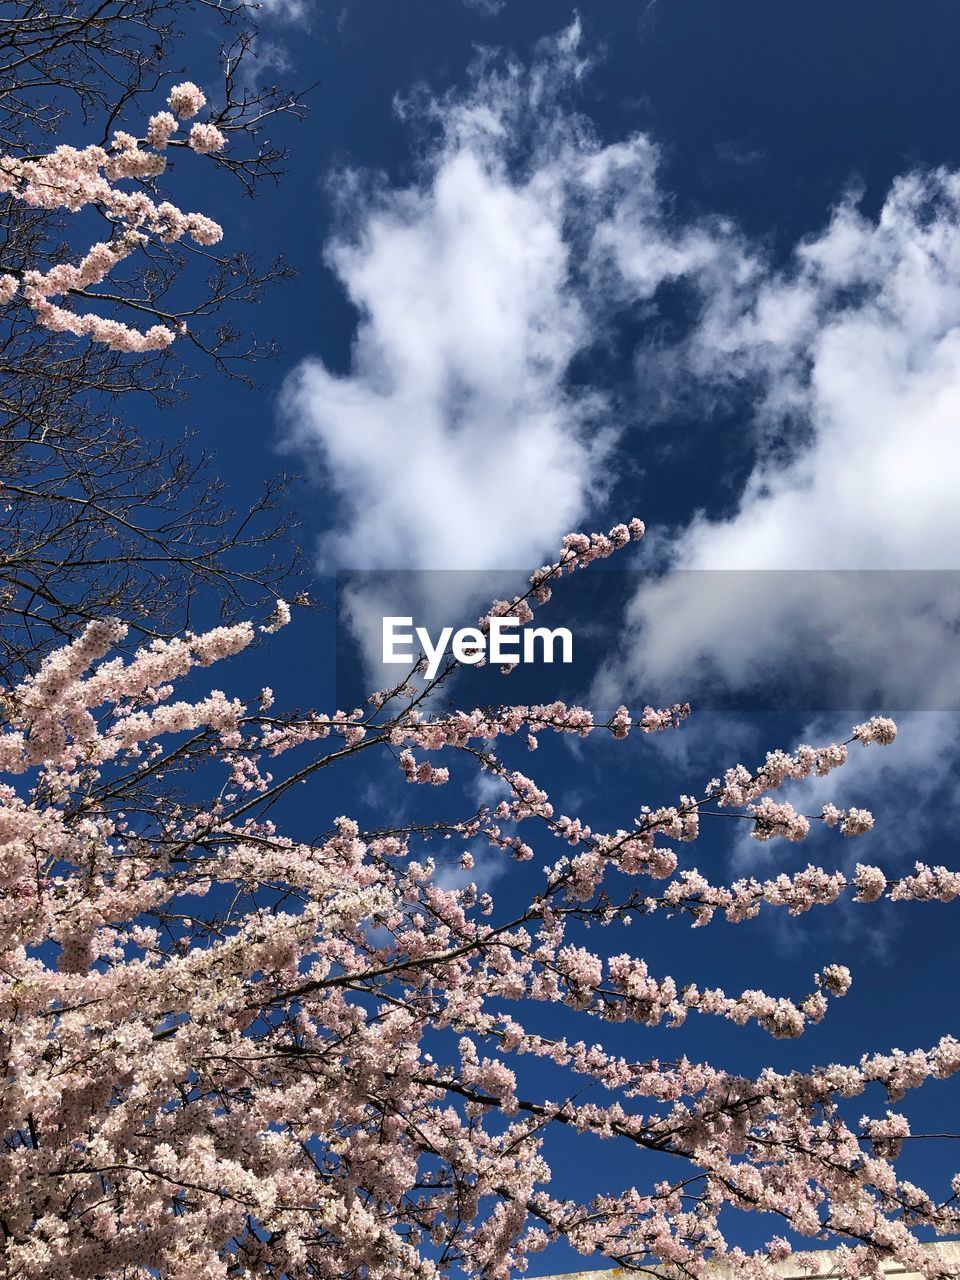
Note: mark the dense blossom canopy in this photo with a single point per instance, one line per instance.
(231, 1053)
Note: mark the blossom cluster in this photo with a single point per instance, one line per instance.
(74, 179)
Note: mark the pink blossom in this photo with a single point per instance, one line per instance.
(73, 179)
(186, 99)
(206, 138)
(161, 128)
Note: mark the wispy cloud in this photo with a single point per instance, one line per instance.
(855, 352)
(458, 438)
(297, 12)
(848, 365)
(489, 8)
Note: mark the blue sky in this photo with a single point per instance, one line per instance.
(694, 262)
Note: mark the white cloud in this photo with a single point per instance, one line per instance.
(853, 355)
(296, 12)
(266, 56)
(857, 348)
(457, 438)
(489, 8)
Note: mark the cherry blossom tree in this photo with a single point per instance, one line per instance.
(231, 1052)
(103, 63)
(99, 271)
